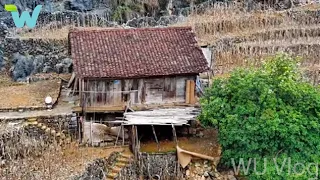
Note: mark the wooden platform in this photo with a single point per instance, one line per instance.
(141, 107)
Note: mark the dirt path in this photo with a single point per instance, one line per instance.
(62, 109)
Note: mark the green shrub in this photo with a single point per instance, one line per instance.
(265, 112)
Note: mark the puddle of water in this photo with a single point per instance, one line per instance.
(207, 145)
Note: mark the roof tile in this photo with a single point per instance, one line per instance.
(129, 53)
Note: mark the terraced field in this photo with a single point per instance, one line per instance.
(239, 38)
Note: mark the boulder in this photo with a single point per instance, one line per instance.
(65, 66)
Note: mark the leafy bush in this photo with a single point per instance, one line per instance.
(267, 112)
(120, 13)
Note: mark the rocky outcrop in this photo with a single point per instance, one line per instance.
(152, 22)
(85, 5)
(31, 56)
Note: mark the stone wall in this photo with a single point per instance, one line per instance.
(99, 168)
(17, 142)
(153, 165)
(61, 123)
(194, 130)
(161, 164)
(130, 172)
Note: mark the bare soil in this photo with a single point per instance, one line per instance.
(13, 94)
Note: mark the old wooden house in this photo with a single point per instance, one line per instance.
(116, 68)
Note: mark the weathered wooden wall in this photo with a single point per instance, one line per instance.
(160, 90)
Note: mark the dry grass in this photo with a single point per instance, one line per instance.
(58, 34)
(242, 38)
(55, 163)
(16, 94)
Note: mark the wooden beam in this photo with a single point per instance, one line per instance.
(73, 77)
(101, 109)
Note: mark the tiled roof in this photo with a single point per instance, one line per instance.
(129, 53)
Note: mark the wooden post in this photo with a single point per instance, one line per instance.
(79, 127)
(188, 92)
(91, 131)
(122, 127)
(174, 134)
(137, 141)
(133, 139)
(135, 133)
(192, 95)
(118, 136)
(155, 136)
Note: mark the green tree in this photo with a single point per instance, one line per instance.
(266, 112)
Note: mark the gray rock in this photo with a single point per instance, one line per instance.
(79, 5)
(197, 164)
(23, 67)
(38, 63)
(65, 66)
(167, 20)
(3, 29)
(187, 173)
(47, 69)
(142, 22)
(231, 177)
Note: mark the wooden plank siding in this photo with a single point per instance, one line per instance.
(105, 92)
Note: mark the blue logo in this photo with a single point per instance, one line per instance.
(24, 18)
